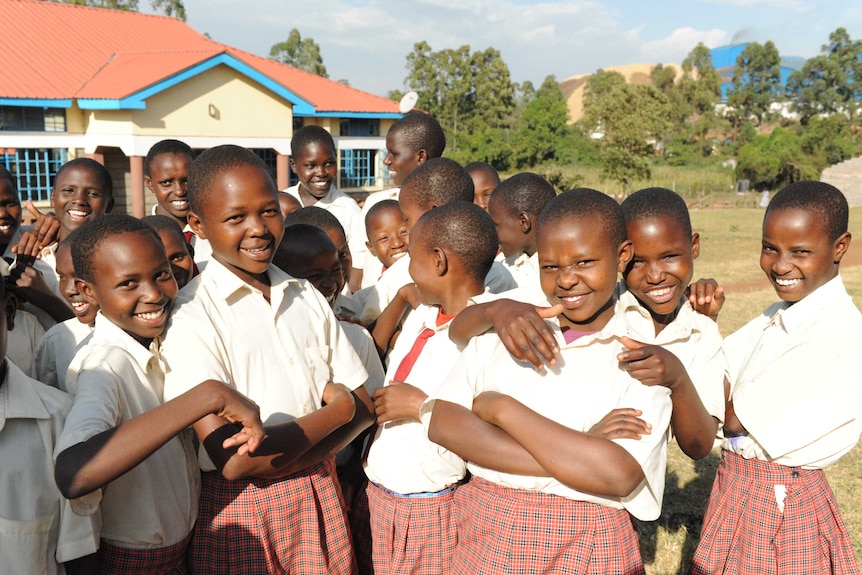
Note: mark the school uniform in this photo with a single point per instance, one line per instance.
(22, 340)
(147, 513)
(397, 276)
(371, 266)
(281, 354)
(524, 269)
(346, 305)
(54, 352)
(348, 213)
(692, 337)
(794, 376)
(537, 524)
(411, 480)
(38, 530)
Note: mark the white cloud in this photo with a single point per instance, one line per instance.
(679, 43)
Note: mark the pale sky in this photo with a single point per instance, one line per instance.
(367, 41)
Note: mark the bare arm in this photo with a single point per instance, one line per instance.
(464, 433)
(579, 460)
(387, 322)
(94, 463)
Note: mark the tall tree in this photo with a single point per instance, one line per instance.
(543, 132)
(756, 83)
(299, 52)
(831, 82)
(700, 86)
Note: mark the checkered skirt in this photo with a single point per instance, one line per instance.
(162, 561)
(503, 530)
(745, 532)
(360, 529)
(294, 524)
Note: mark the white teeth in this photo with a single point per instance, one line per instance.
(151, 315)
(5, 228)
(78, 213)
(80, 305)
(256, 250)
(398, 256)
(180, 203)
(787, 283)
(573, 298)
(659, 292)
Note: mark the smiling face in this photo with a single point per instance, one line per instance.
(84, 311)
(315, 166)
(242, 220)
(400, 159)
(662, 266)
(323, 271)
(169, 182)
(797, 255)
(182, 264)
(78, 197)
(388, 236)
(579, 268)
(132, 284)
(10, 212)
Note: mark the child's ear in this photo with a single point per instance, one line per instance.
(441, 262)
(86, 291)
(370, 247)
(110, 205)
(148, 182)
(840, 247)
(627, 252)
(526, 222)
(292, 164)
(695, 245)
(421, 157)
(196, 225)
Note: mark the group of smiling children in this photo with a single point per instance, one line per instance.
(220, 394)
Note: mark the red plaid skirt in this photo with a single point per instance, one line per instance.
(503, 530)
(360, 529)
(294, 524)
(161, 561)
(744, 531)
(413, 535)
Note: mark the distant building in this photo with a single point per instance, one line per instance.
(109, 84)
(724, 60)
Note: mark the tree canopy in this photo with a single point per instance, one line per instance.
(173, 8)
(299, 52)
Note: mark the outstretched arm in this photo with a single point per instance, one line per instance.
(579, 460)
(94, 463)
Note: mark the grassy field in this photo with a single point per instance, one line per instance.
(730, 246)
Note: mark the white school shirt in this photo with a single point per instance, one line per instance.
(22, 341)
(397, 276)
(796, 379)
(692, 337)
(366, 351)
(348, 213)
(54, 352)
(38, 529)
(578, 392)
(402, 458)
(281, 353)
(524, 269)
(114, 378)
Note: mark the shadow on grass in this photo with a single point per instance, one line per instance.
(681, 518)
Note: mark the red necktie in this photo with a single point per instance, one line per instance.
(410, 359)
(189, 235)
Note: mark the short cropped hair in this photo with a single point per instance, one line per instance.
(652, 203)
(824, 200)
(11, 181)
(307, 135)
(314, 216)
(299, 243)
(421, 132)
(438, 182)
(86, 243)
(98, 169)
(380, 206)
(583, 203)
(463, 229)
(484, 167)
(212, 163)
(524, 193)
(167, 147)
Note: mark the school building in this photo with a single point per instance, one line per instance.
(107, 84)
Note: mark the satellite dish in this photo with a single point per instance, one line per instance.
(408, 102)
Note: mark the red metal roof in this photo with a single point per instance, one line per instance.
(63, 51)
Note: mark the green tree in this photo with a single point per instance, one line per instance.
(756, 83)
(600, 85)
(771, 162)
(631, 120)
(173, 8)
(701, 90)
(543, 133)
(831, 82)
(299, 52)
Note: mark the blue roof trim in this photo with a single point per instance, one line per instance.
(137, 101)
(35, 103)
(369, 115)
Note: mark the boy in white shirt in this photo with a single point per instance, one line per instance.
(795, 402)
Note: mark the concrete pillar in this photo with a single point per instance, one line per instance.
(282, 172)
(136, 164)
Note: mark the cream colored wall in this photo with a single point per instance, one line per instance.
(331, 125)
(108, 121)
(242, 108)
(384, 126)
(76, 121)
